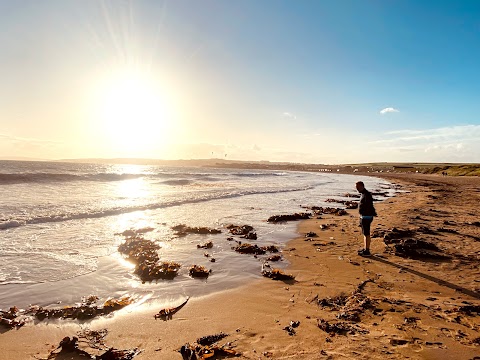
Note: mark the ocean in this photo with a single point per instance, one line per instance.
(58, 223)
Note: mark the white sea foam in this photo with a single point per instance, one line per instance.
(58, 231)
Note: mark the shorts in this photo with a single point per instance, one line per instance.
(365, 222)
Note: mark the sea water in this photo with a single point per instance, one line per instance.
(58, 223)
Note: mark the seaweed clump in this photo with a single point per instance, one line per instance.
(340, 328)
(158, 270)
(289, 217)
(86, 310)
(255, 249)
(10, 318)
(207, 245)
(143, 253)
(349, 307)
(205, 348)
(319, 210)
(199, 271)
(95, 341)
(245, 231)
(275, 274)
(183, 230)
(348, 203)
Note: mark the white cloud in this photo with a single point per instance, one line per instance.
(289, 115)
(460, 143)
(389, 110)
(448, 133)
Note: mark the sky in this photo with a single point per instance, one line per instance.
(332, 81)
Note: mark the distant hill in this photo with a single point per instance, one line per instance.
(22, 158)
(179, 162)
(366, 168)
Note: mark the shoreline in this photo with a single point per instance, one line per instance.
(255, 314)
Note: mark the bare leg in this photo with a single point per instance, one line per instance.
(366, 242)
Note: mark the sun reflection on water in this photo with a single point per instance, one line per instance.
(133, 189)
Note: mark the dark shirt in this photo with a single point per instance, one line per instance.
(365, 206)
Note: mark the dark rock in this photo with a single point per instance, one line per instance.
(250, 249)
(182, 230)
(274, 258)
(239, 230)
(396, 342)
(270, 248)
(199, 271)
(207, 245)
(289, 217)
(250, 236)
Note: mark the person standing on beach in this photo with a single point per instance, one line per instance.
(367, 212)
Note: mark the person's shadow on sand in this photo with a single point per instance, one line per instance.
(428, 277)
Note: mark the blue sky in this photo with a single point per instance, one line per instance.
(302, 81)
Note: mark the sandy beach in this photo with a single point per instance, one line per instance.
(340, 305)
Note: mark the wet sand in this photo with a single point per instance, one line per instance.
(390, 307)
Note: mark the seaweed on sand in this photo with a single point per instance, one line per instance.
(275, 274)
(205, 348)
(340, 327)
(166, 314)
(84, 311)
(349, 307)
(94, 340)
(10, 318)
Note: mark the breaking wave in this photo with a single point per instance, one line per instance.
(40, 177)
(12, 223)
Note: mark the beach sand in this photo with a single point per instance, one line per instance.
(411, 308)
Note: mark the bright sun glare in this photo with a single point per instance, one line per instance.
(134, 114)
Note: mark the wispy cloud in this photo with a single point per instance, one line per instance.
(17, 139)
(452, 143)
(443, 134)
(27, 147)
(289, 115)
(389, 110)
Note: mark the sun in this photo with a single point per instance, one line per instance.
(134, 114)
